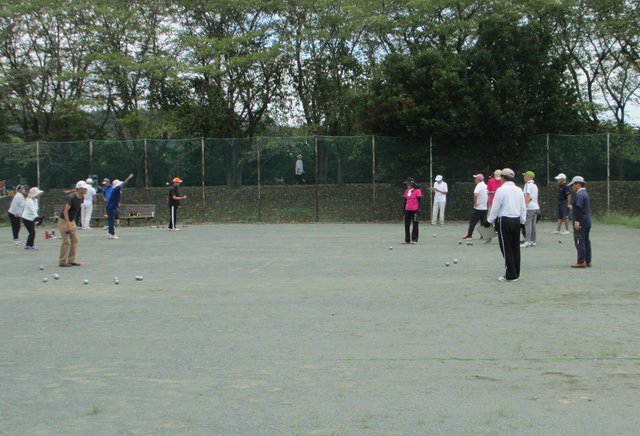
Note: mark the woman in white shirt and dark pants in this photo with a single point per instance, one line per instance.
(30, 217)
(15, 211)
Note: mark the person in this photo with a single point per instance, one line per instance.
(564, 200)
(15, 211)
(30, 217)
(480, 199)
(492, 186)
(412, 205)
(299, 170)
(581, 222)
(174, 203)
(509, 213)
(107, 187)
(439, 200)
(68, 228)
(533, 209)
(87, 205)
(113, 204)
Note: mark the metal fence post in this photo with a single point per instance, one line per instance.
(91, 158)
(373, 176)
(548, 176)
(608, 173)
(38, 162)
(315, 151)
(204, 198)
(259, 181)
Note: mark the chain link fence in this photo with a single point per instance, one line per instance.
(337, 170)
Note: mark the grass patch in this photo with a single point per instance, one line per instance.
(619, 219)
(95, 410)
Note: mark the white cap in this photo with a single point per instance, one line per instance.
(438, 178)
(89, 181)
(561, 176)
(34, 192)
(116, 183)
(577, 179)
(81, 185)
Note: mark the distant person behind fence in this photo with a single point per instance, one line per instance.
(299, 170)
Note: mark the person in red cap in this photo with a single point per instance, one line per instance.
(174, 203)
(480, 198)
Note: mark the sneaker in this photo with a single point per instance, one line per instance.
(467, 238)
(75, 264)
(34, 249)
(113, 237)
(27, 248)
(16, 241)
(533, 244)
(525, 244)
(414, 242)
(557, 232)
(64, 265)
(504, 279)
(565, 232)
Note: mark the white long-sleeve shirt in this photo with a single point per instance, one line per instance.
(508, 202)
(31, 207)
(17, 205)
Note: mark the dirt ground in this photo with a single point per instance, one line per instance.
(319, 329)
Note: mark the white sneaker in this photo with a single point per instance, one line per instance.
(533, 244)
(113, 237)
(557, 232)
(504, 279)
(526, 244)
(565, 232)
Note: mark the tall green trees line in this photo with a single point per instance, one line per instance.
(471, 72)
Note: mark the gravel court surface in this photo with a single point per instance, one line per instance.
(319, 329)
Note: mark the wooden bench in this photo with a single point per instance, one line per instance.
(127, 212)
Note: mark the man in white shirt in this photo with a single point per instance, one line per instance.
(87, 205)
(439, 201)
(509, 213)
(533, 208)
(480, 198)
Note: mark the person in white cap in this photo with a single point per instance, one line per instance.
(87, 205)
(480, 199)
(564, 200)
(113, 204)
(439, 200)
(533, 208)
(509, 213)
(581, 222)
(67, 226)
(30, 217)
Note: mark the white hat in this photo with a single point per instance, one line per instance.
(508, 172)
(577, 179)
(81, 185)
(34, 192)
(116, 183)
(438, 178)
(561, 176)
(89, 181)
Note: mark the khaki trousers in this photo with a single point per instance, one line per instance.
(69, 243)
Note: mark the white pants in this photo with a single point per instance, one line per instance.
(438, 210)
(85, 215)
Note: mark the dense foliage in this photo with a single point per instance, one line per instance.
(481, 76)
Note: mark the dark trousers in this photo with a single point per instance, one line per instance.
(411, 216)
(15, 225)
(509, 239)
(583, 243)
(476, 216)
(31, 228)
(112, 213)
(173, 216)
